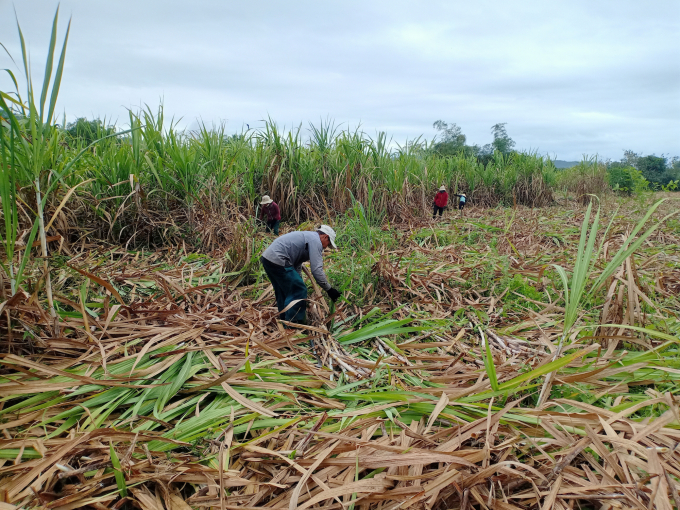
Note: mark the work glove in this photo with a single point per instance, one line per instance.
(334, 294)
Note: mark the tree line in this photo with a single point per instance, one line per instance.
(629, 174)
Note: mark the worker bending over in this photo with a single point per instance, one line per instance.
(271, 214)
(462, 200)
(282, 262)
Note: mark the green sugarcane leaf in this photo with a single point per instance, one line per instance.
(627, 248)
(10, 99)
(169, 391)
(118, 472)
(389, 327)
(651, 332)
(347, 387)
(58, 76)
(48, 65)
(545, 369)
(490, 367)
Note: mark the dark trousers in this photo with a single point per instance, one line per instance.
(437, 209)
(288, 286)
(273, 226)
(461, 205)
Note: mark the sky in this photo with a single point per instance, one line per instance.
(569, 78)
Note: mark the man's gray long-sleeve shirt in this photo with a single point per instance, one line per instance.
(294, 248)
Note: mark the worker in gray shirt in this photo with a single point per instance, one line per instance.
(282, 262)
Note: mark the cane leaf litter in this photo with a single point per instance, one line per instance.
(520, 355)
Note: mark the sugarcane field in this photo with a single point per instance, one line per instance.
(318, 318)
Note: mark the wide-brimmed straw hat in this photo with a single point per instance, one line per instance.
(325, 229)
(266, 200)
(442, 188)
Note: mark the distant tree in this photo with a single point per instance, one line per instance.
(501, 140)
(630, 158)
(658, 170)
(675, 162)
(452, 141)
(451, 138)
(626, 179)
(672, 173)
(653, 168)
(87, 131)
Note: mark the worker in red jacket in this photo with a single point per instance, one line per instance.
(271, 214)
(441, 199)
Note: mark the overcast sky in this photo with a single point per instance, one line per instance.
(581, 77)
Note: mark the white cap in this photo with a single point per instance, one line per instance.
(325, 229)
(442, 188)
(266, 200)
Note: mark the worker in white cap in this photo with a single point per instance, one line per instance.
(462, 200)
(282, 262)
(271, 214)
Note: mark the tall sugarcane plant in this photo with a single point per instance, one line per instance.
(8, 195)
(38, 140)
(577, 290)
(31, 154)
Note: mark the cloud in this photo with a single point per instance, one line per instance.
(572, 78)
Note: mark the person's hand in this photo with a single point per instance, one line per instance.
(334, 294)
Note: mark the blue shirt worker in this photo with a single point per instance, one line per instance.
(282, 262)
(462, 200)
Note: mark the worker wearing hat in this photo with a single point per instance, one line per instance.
(441, 199)
(462, 200)
(282, 262)
(271, 214)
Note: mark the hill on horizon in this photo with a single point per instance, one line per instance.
(564, 164)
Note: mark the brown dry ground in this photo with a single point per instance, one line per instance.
(166, 382)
